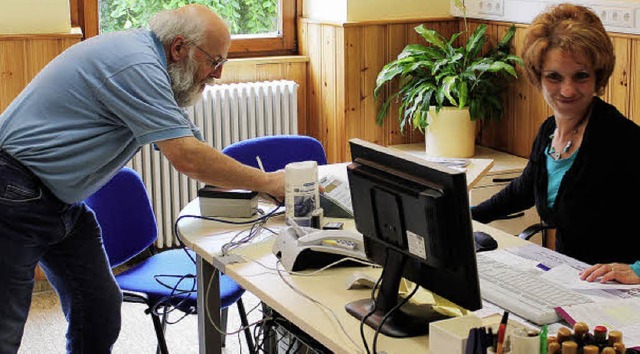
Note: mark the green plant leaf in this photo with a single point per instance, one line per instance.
(444, 74)
(476, 41)
(432, 37)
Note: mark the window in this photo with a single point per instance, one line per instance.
(258, 27)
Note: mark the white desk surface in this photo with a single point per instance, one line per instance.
(502, 161)
(478, 166)
(328, 287)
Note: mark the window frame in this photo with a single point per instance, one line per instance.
(84, 14)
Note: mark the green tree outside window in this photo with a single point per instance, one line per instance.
(244, 17)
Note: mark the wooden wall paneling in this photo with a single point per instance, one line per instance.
(303, 45)
(617, 91)
(374, 49)
(328, 95)
(298, 73)
(23, 56)
(634, 83)
(314, 92)
(269, 71)
(500, 132)
(396, 42)
(238, 73)
(40, 53)
(353, 90)
(340, 133)
(525, 98)
(13, 73)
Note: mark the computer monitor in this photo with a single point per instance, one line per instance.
(415, 219)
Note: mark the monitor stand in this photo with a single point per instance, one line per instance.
(410, 320)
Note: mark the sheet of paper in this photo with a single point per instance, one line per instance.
(546, 256)
(621, 314)
(509, 258)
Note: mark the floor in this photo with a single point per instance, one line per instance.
(46, 326)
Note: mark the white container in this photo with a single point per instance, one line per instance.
(302, 195)
(450, 336)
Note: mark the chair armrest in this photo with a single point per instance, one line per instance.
(533, 229)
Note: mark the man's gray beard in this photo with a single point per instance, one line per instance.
(183, 82)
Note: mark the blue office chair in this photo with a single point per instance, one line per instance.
(276, 151)
(128, 225)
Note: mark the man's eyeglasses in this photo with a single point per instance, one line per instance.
(217, 62)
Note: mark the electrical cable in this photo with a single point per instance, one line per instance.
(208, 312)
(323, 306)
(274, 212)
(373, 307)
(167, 301)
(315, 272)
(386, 316)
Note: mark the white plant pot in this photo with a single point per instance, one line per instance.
(450, 133)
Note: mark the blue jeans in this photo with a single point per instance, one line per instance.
(36, 227)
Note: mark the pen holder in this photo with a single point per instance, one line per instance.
(525, 343)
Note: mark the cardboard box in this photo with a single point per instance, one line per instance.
(450, 336)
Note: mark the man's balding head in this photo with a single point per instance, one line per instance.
(196, 42)
(196, 23)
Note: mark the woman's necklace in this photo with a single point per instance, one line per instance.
(556, 155)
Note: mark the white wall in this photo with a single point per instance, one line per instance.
(617, 15)
(368, 10)
(34, 16)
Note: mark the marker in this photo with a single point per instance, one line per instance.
(501, 332)
(544, 345)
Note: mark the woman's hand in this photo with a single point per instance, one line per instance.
(620, 272)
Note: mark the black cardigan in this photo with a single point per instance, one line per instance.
(595, 213)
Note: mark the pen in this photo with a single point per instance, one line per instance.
(501, 332)
(260, 163)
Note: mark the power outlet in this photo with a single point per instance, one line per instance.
(491, 7)
(616, 16)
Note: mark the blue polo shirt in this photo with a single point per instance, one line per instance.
(91, 109)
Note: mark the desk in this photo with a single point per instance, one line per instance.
(478, 166)
(206, 238)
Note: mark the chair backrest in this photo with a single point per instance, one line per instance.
(276, 151)
(125, 216)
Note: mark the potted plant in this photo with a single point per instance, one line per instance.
(443, 77)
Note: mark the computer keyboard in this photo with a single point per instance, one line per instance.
(523, 293)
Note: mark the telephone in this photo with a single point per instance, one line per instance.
(300, 248)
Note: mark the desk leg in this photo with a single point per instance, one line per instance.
(210, 340)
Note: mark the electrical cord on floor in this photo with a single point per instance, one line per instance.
(323, 306)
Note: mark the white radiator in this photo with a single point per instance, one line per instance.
(226, 114)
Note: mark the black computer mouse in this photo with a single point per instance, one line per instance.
(484, 241)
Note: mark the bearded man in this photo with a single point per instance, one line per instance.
(76, 124)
